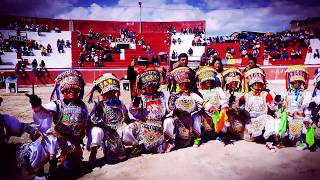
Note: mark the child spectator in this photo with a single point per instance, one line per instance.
(49, 48)
(316, 54)
(43, 51)
(42, 66)
(34, 65)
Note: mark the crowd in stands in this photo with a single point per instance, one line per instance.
(98, 48)
(37, 69)
(31, 27)
(281, 45)
(97, 52)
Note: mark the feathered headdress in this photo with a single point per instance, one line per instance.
(150, 77)
(297, 73)
(69, 79)
(181, 74)
(230, 75)
(206, 73)
(253, 76)
(105, 83)
(316, 81)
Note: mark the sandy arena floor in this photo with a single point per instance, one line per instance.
(241, 160)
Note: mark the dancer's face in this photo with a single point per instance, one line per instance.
(297, 84)
(318, 85)
(114, 94)
(257, 86)
(184, 86)
(183, 61)
(217, 65)
(232, 85)
(208, 84)
(71, 94)
(150, 89)
(37, 109)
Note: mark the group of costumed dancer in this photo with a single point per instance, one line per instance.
(202, 105)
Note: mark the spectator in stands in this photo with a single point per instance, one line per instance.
(60, 48)
(293, 54)
(164, 74)
(34, 66)
(25, 51)
(255, 53)
(36, 46)
(156, 61)
(232, 51)
(174, 41)
(142, 41)
(148, 48)
(299, 54)
(131, 74)
(57, 30)
(173, 55)
(43, 68)
(190, 51)
(68, 44)
(252, 63)
(43, 50)
(46, 29)
(203, 60)
(316, 54)
(244, 52)
(1, 60)
(49, 48)
(20, 68)
(285, 54)
(228, 55)
(179, 41)
(96, 61)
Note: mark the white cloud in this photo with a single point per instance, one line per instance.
(223, 21)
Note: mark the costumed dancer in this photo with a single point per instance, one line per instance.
(146, 133)
(278, 112)
(297, 100)
(183, 62)
(236, 113)
(71, 117)
(107, 120)
(41, 127)
(31, 156)
(257, 102)
(314, 114)
(208, 121)
(185, 104)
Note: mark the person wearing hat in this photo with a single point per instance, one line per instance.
(107, 120)
(146, 133)
(215, 101)
(184, 103)
(297, 100)
(183, 62)
(41, 127)
(257, 102)
(30, 156)
(71, 116)
(315, 110)
(231, 79)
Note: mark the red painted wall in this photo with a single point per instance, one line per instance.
(89, 75)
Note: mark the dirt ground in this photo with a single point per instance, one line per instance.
(240, 160)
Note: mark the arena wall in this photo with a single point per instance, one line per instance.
(273, 73)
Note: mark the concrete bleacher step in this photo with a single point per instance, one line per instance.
(315, 44)
(186, 43)
(54, 60)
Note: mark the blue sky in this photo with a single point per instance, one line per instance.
(222, 16)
